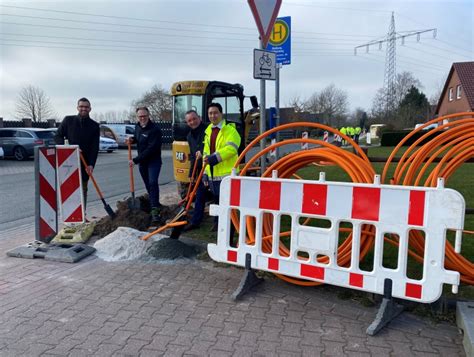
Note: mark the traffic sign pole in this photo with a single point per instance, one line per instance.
(277, 106)
(262, 119)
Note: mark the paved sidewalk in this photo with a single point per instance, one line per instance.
(183, 308)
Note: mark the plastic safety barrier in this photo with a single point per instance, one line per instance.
(389, 208)
(70, 184)
(46, 202)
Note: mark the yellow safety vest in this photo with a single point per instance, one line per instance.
(227, 146)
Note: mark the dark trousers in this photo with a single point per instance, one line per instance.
(215, 189)
(84, 192)
(150, 173)
(199, 203)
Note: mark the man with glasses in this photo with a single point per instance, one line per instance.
(81, 130)
(148, 139)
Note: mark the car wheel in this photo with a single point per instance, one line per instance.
(20, 153)
(109, 151)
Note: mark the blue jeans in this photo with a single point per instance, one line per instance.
(150, 173)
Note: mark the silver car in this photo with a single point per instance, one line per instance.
(20, 142)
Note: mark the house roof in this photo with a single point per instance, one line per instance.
(465, 71)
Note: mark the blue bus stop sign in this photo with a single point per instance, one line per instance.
(280, 40)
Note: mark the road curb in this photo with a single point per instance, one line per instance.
(465, 321)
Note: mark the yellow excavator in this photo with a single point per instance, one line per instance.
(197, 95)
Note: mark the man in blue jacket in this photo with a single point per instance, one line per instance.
(148, 139)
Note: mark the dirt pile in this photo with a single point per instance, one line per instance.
(138, 219)
(168, 248)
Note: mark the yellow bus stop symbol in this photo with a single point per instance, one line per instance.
(279, 33)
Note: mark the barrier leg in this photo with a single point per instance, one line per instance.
(388, 310)
(248, 281)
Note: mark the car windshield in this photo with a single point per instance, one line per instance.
(46, 134)
(183, 103)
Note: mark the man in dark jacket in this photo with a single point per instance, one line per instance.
(148, 139)
(81, 130)
(195, 139)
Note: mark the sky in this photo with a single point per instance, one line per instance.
(113, 51)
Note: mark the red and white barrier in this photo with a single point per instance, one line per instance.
(391, 209)
(326, 136)
(70, 184)
(46, 202)
(304, 146)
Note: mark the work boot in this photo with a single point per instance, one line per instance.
(156, 217)
(190, 227)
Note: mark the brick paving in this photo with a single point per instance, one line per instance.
(100, 308)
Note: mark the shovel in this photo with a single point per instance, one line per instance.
(107, 208)
(133, 203)
(177, 223)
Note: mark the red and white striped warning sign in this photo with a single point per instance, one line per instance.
(46, 202)
(70, 184)
(389, 208)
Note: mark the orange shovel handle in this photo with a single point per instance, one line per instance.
(132, 181)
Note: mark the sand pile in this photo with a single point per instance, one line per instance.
(123, 244)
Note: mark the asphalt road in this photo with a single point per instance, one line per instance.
(17, 185)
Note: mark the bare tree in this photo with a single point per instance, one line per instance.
(331, 104)
(33, 103)
(157, 100)
(297, 103)
(404, 82)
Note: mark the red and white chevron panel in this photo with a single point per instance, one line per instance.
(70, 184)
(391, 209)
(46, 205)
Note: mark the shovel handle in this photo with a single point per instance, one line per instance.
(101, 196)
(196, 186)
(161, 229)
(132, 181)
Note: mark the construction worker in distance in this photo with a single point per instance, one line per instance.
(357, 134)
(343, 130)
(221, 145)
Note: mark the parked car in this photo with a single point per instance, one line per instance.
(118, 132)
(107, 144)
(20, 142)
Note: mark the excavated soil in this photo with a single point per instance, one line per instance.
(169, 249)
(126, 216)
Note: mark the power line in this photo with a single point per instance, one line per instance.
(125, 18)
(455, 35)
(119, 25)
(173, 22)
(152, 50)
(336, 8)
(124, 32)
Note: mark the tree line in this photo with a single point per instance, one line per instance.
(330, 105)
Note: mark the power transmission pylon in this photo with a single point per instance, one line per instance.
(390, 68)
(390, 75)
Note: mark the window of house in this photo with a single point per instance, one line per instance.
(450, 94)
(458, 92)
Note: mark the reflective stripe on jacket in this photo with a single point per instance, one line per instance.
(227, 146)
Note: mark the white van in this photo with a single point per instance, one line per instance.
(431, 126)
(376, 130)
(118, 132)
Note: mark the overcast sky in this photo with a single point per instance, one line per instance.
(113, 51)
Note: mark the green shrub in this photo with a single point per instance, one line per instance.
(392, 138)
